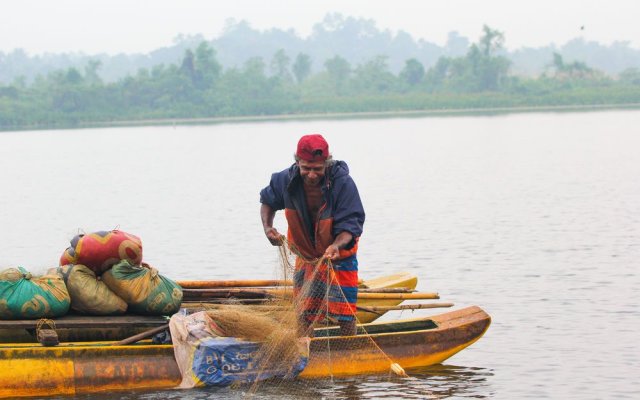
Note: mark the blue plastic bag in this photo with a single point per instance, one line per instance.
(222, 361)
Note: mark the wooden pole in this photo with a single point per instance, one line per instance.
(399, 296)
(140, 336)
(216, 306)
(254, 293)
(226, 301)
(287, 292)
(380, 309)
(233, 283)
(237, 283)
(387, 290)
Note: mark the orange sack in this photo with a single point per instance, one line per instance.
(101, 250)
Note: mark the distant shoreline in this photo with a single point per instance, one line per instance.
(329, 116)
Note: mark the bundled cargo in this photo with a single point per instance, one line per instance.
(101, 250)
(23, 296)
(144, 289)
(210, 354)
(89, 295)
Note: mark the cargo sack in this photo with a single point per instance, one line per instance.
(23, 296)
(144, 289)
(100, 250)
(89, 295)
(205, 358)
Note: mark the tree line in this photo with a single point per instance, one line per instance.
(199, 87)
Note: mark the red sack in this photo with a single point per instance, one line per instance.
(101, 250)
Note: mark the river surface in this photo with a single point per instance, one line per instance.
(534, 217)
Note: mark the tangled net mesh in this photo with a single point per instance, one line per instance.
(274, 323)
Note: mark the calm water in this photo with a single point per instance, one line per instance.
(534, 217)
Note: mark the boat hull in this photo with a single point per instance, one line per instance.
(77, 368)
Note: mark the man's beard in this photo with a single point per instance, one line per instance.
(310, 182)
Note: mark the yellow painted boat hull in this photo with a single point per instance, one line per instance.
(76, 368)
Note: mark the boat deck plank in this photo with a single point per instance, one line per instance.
(81, 321)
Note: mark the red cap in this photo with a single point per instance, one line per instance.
(313, 148)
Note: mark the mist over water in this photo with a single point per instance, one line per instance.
(533, 217)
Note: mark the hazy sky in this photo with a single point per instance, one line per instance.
(116, 26)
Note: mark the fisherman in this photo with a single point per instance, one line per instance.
(325, 218)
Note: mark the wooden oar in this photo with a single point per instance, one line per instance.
(237, 283)
(387, 290)
(226, 301)
(215, 306)
(218, 290)
(225, 293)
(287, 292)
(399, 296)
(233, 283)
(381, 309)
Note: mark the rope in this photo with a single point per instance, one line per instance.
(42, 321)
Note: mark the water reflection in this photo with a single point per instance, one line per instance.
(435, 382)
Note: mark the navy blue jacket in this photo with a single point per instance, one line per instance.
(341, 210)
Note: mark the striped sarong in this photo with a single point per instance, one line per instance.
(320, 291)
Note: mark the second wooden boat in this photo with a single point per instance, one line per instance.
(76, 328)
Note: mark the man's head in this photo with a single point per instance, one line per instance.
(312, 156)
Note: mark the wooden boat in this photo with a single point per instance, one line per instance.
(76, 368)
(75, 328)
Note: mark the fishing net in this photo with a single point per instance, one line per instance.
(283, 337)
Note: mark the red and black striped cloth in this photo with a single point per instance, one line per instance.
(321, 290)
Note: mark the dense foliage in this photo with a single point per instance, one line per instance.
(199, 87)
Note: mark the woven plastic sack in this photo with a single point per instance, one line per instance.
(144, 289)
(205, 358)
(23, 296)
(101, 250)
(89, 295)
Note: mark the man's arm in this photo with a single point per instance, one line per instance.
(333, 251)
(267, 214)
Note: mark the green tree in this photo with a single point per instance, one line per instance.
(374, 76)
(207, 66)
(413, 72)
(91, 72)
(558, 62)
(630, 76)
(302, 67)
(491, 41)
(280, 66)
(437, 75)
(482, 69)
(339, 71)
(574, 70)
(188, 66)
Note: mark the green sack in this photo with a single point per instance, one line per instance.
(23, 296)
(144, 289)
(89, 295)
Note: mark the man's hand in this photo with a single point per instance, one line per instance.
(274, 236)
(332, 252)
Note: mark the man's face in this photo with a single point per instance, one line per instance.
(311, 172)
